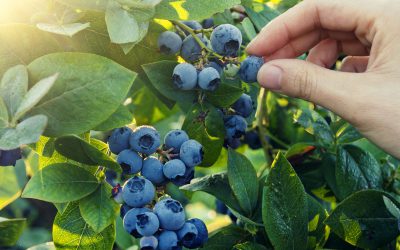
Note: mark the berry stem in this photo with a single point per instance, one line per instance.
(261, 121)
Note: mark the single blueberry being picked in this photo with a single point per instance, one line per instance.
(138, 192)
(147, 223)
(202, 234)
(168, 240)
(187, 234)
(170, 214)
(174, 139)
(174, 169)
(235, 126)
(9, 157)
(185, 76)
(153, 171)
(249, 68)
(130, 161)
(244, 106)
(226, 40)
(191, 50)
(169, 43)
(209, 79)
(129, 220)
(119, 139)
(148, 243)
(145, 140)
(191, 153)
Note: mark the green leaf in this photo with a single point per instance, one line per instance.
(363, 220)
(347, 134)
(284, 210)
(243, 181)
(10, 186)
(224, 96)
(86, 82)
(79, 150)
(225, 238)
(13, 87)
(60, 182)
(26, 132)
(318, 232)
(391, 207)
(249, 29)
(65, 29)
(10, 231)
(99, 209)
(71, 232)
(192, 9)
(204, 124)
(299, 149)
(261, 17)
(249, 246)
(4, 119)
(118, 119)
(355, 170)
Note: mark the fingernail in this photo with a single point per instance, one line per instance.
(270, 77)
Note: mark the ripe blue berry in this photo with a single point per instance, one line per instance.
(174, 139)
(193, 25)
(147, 223)
(191, 153)
(191, 50)
(138, 191)
(208, 23)
(145, 140)
(148, 243)
(187, 234)
(9, 157)
(226, 40)
(130, 161)
(202, 233)
(174, 168)
(185, 179)
(169, 43)
(168, 240)
(153, 171)
(123, 210)
(214, 65)
(119, 139)
(235, 126)
(129, 220)
(209, 79)
(244, 106)
(249, 68)
(185, 76)
(232, 143)
(170, 214)
(252, 139)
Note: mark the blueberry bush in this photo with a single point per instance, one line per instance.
(139, 124)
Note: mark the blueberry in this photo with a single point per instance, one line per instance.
(10, 157)
(145, 139)
(169, 43)
(221, 207)
(252, 139)
(111, 177)
(215, 66)
(153, 171)
(191, 50)
(174, 168)
(147, 223)
(185, 179)
(244, 106)
(231, 70)
(249, 68)
(232, 143)
(191, 153)
(116, 194)
(130, 161)
(226, 40)
(209, 79)
(123, 210)
(129, 220)
(235, 126)
(208, 23)
(174, 139)
(168, 240)
(119, 139)
(185, 76)
(148, 243)
(138, 191)
(170, 214)
(202, 234)
(187, 234)
(193, 25)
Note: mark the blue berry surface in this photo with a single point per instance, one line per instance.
(187, 234)
(226, 40)
(191, 50)
(202, 234)
(147, 223)
(119, 139)
(249, 68)
(209, 79)
(170, 214)
(123, 210)
(138, 192)
(145, 139)
(185, 179)
(148, 243)
(174, 139)
(184, 76)
(208, 23)
(130, 161)
(233, 143)
(235, 126)
(193, 25)
(129, 220)
(244, 106)
(174, 168)
(191, 153)
(153, 171)
(214, 65)
(168, 240)
(9, 157)
(252, 139)
(169, 43)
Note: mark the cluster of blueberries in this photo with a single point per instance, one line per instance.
(165, 226)
(9, 157)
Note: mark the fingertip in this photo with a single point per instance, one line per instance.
(270, 76)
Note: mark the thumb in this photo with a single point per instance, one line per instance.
(296, 78)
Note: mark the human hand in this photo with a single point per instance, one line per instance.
(367, 90)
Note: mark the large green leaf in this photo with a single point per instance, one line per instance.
(225, 95)
(4, 117)
(60, 182)
(226, 237)
(99, 209)
(118, 119)
(355, 170)
(285, 210)
(10, 185)
(318, 232)
(243, 181)
(364, 221)
(262, 16)
(86, 82)
(79, 150)
(10, 230)
(71, 232)
(204, 124)
(13, 87)
(249, 246)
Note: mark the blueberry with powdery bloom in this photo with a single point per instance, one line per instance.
(138, 192)
(209, 79)
(191, 50)
(249, 68)
(191, 153)
(235, 126)
(130, 161)
(187, 234)
(185, 179)
(147, 223)
(202, 234)
(169, 43)
(153, 171)
(148, 243)
(145, 140)
(129, 220)
(184, 76)
(170, 214)
(174, 139)
(174, 169)
(119, 139)
(244, 106)
(168, 240)
(226, 40)
(193, 25)
(123, 210)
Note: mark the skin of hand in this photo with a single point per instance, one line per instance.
(366, 92)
